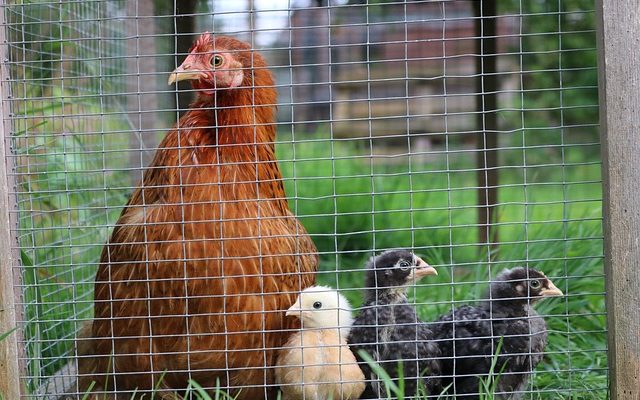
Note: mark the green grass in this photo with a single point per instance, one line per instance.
(553, 223)
(67, 203)
(548, 218)
(426, 204)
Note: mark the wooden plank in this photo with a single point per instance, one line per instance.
(9, 366)
(619, 90)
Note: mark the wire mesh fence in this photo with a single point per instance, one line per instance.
(464, 132)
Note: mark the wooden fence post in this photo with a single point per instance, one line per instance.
(9, 367)
(487, 122)
(619, 86)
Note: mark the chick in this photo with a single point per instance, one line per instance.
(316, 363)
(388, 329)
(468, 337)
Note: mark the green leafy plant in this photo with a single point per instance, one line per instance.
(488, 384)
(201, 394)
(389, 384)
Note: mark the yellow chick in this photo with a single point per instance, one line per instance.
(316, 363)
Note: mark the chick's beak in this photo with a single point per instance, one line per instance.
(552, 290)
(421, 270)
(294, 310)
(190, 69)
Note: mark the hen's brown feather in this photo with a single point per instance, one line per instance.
(205, 256)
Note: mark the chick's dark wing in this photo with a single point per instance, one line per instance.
(366, 327)
(467, 335)
(369, 327)
(430, 356)
(418, 338)
(520, 348)
(364, 336)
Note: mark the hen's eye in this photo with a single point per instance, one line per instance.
(534, 284)
(404, 265)
(217, 60)
(317, 305)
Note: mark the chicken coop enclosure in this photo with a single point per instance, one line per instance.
(480, 135)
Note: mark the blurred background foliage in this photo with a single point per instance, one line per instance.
(79, 79)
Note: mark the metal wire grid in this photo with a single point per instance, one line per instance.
(57, 105)
(376, 127)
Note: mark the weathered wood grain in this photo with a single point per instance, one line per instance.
(619, 85)
(9, 367)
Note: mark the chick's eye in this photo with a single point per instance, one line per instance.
(404, 265)
(317, 305)
(534, 284)
(217, 60)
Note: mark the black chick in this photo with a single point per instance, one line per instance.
(506, 315)
(388, 329)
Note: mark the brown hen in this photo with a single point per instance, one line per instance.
(206, 256)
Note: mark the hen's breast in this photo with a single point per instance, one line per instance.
(212, 244)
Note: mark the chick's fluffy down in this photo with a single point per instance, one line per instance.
(330, 369)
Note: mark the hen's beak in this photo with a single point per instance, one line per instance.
(190, 69)
(552, 290)
(421, 270)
